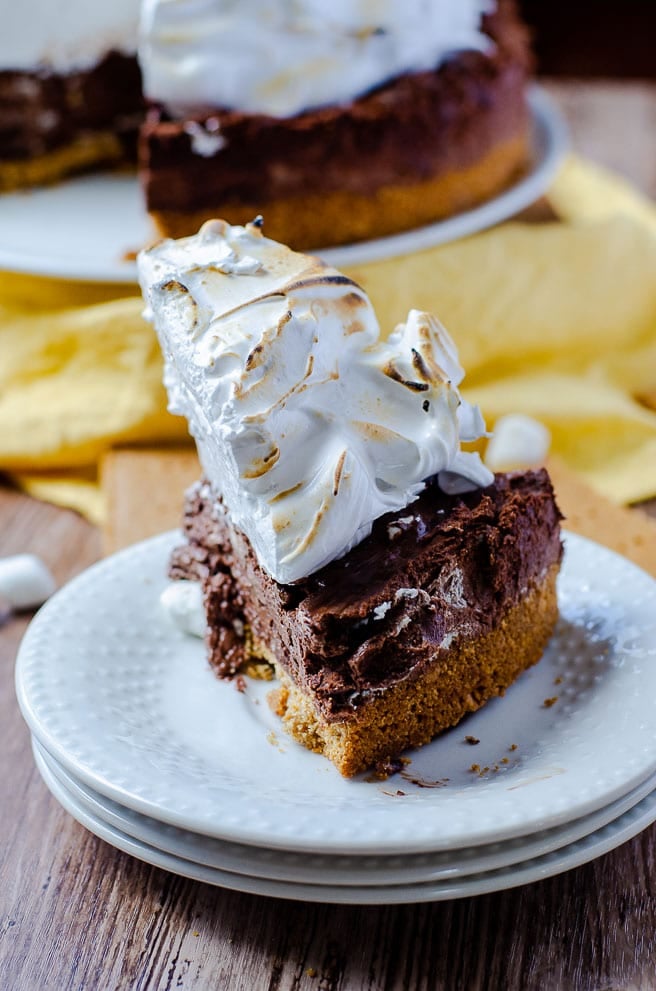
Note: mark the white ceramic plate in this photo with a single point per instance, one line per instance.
(128, 704)
(89, 228)
(308, 868)
(573, 855)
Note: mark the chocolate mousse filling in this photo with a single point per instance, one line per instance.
(443, 570)
(43, 112)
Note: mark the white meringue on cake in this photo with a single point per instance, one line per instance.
(293, 55)
(307, 423)
(64, 37)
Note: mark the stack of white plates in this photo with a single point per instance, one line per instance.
(141, 743)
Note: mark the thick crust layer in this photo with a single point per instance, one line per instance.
(312, 220)
(87, 152)
(412, 712)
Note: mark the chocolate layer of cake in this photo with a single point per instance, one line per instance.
(44, 113)
(405, 135)
(447, 568)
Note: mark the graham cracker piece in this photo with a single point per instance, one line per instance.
(144, 490)
(630, 532)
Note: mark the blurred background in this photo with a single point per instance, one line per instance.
(593, 37)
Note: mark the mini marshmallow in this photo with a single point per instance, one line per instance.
(518, 441)
(25, 581)
(183, 602)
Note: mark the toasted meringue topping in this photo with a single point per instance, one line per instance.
(308, 424)
(284, 57)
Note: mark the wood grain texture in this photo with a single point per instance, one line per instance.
(630, 532)
(613, 124)
(144, 490)
(78, 915)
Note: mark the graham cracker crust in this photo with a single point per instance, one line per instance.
(80, 155)
(312, 220)
(412, 712)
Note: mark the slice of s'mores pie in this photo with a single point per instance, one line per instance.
(340, 532)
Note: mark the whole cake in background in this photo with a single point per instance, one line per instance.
(340, 121)
(341, 534)
(70, 88)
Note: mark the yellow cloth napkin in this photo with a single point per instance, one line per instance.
(555, 320)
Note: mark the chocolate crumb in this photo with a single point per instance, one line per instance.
(504, 760)
(384, 769)
(549, 702)
(513, 746)
(472, 740)
(558, 681)
(475, 768)
(424, 782)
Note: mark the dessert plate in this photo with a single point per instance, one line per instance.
(573, 855)
(128, 705)
(90, 228)
(308, 868)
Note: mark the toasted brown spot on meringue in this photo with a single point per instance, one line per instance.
(426, 366)
(392, 372)
(337, 476)
(261, 466)
(172, 285)
(375, 431)
(287, 492)
(302, 546)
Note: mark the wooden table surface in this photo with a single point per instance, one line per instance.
(75, 913)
